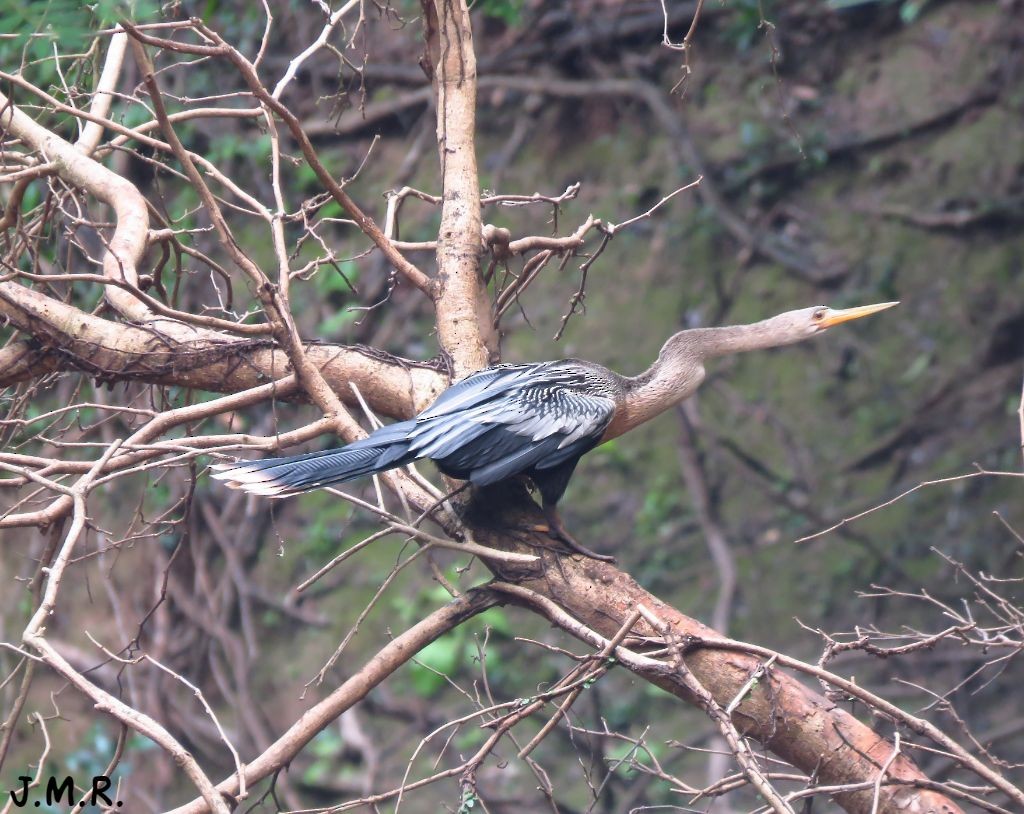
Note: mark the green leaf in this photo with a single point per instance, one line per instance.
(508, 11)
(334, 324)
(327, 743)
(441, 656)
(497, 620)
(911, 10)
(917, 367)
(69, 22)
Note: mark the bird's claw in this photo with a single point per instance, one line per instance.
(558, 532)
(582, 549)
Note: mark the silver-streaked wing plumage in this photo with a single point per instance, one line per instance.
(494, 424)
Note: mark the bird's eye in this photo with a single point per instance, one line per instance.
(819, 315)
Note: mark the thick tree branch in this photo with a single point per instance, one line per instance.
(584, 596)
(70, 339)
(463, 310)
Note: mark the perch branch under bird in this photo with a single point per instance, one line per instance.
(535, 420)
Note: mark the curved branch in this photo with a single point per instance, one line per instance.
(392, 656)
(131, 235)
(65, 338)
(589, 599)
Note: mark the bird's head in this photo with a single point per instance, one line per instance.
(807, 322)
(784, 329)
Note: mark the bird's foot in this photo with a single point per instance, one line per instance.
(558, 532)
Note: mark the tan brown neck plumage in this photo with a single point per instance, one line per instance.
(679, 370)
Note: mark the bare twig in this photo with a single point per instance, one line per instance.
(384, 663)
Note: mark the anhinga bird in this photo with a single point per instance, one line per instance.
(537, 419)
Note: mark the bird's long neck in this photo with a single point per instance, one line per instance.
(679, 370)
(711, 342)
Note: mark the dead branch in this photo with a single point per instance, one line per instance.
(34, 636)
(388, 659)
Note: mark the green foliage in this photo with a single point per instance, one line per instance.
(334, 285)
(435, 661)
(333, 325)
(910, 10)
(745, 22)
(497, 620)
(456, 650)
(473, 737)
(624, 756)
(661, 506)
(337, 281)
(37, 26)
(185, 203)
(327, 749)
(235, 146)
(327, 515)
(92, 757)
(509, 12)
(468, 801)
(918, 367)
(33, 197)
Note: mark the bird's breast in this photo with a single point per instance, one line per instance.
(619, 425)
(642, 403)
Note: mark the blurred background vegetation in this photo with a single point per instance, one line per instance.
(852, 152)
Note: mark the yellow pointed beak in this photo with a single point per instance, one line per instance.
(846, 314)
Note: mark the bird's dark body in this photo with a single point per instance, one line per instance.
(535, 420)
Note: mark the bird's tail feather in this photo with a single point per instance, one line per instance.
(282, 477)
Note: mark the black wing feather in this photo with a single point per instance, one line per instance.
(499, 422)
